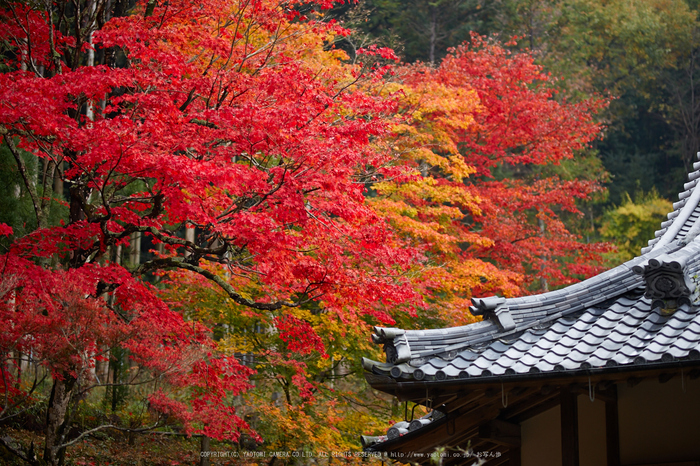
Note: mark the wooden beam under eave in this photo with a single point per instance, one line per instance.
(569, 427)
(634, 381)
(594, 390)
(501, 433)
(454, 430)
(528, 408)
(612, 428)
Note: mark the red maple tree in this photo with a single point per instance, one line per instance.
(221, 132)
(525, 126)
(483, 132)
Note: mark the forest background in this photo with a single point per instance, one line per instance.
(207, 205)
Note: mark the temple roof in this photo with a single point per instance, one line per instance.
(641, 314)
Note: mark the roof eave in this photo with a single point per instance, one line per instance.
(389, 385)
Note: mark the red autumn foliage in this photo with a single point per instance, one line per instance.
(484, 130)
(523, 123)
(225, 118)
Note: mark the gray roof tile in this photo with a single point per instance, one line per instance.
(520, 367)
(438, 363)
(693, 328)
(529, 360)
(538, 351)
(650, 356)
(575, 333)
(577, 356)
(611, 345)
(585, 348)
(663, 341)
(605, 354)
(568, 364)
(595, 361)
(638, 340)
(678, 352)
(683, 344)
(654, 347)
(544, 366)
(622, 359)
(553, 358)
(638, 313)
(683, 315)
(671, 331)
(591, 339)
(482, 363)
(629, 352)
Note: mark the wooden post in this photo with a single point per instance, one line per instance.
(514, 456)
(612, 428)
(569, 427)
(501, 433)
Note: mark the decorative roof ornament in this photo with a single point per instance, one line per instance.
(496, 306)
(667, 284)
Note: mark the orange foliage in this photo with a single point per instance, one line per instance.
(482, 112)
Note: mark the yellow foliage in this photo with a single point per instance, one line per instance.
(427, 188)
(631, 225)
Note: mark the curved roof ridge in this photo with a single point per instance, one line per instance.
(507, 316)
(682, 215)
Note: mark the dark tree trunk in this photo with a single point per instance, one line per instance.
(433, 34)
(56, 416)
(204, 452)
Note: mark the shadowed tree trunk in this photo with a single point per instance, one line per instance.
(56, 416)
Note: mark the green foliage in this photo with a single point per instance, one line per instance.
(17, 210)
(305, 401)
(426, 29)
(631, 225)
(640, 158)
(633, 51)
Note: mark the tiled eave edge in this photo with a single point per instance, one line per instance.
(391, 444)
(389, 385)
(526, 312)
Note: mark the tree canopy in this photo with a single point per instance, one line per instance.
(222, 201)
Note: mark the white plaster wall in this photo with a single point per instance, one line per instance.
(541, 439)
(591, 432)
(659, 423)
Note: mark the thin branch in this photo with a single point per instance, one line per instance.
(109, 426)
(9, 444)
(232, 293)
(22, 167)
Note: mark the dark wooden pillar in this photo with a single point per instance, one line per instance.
(514, 456)
(612, 427)
(569, 427)
(503, 433)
